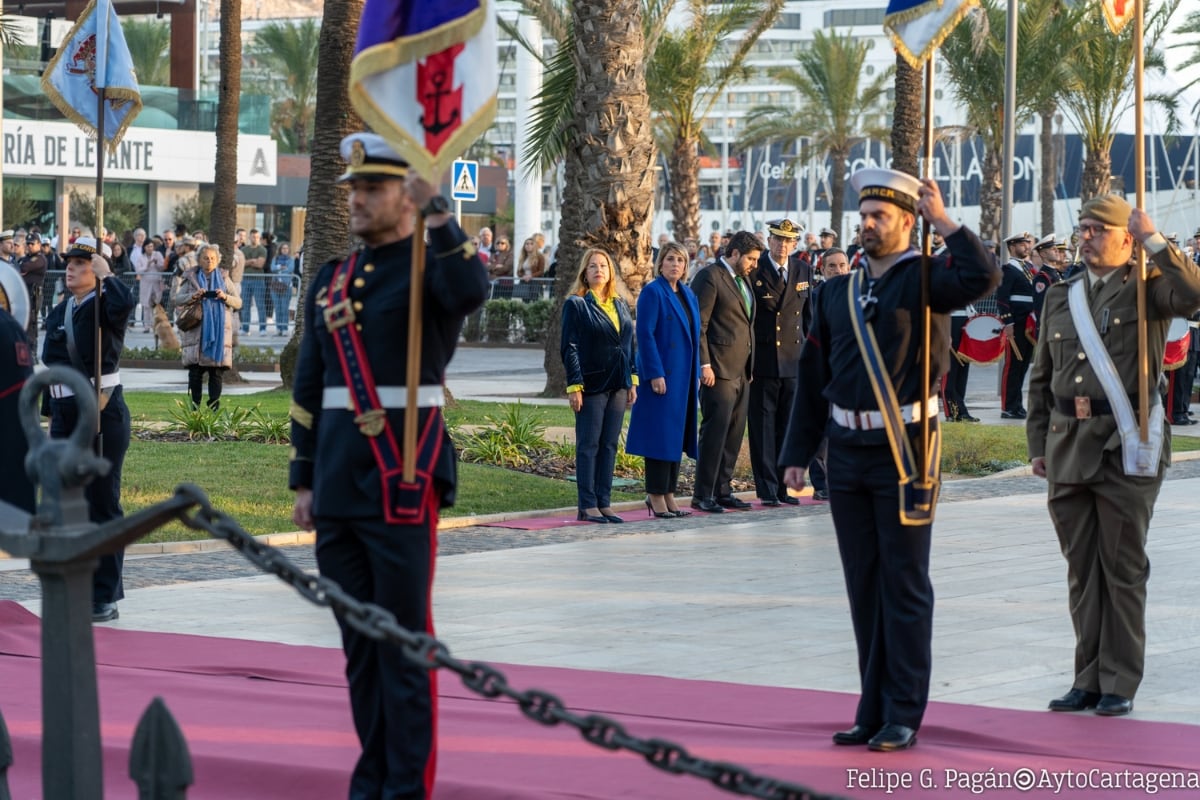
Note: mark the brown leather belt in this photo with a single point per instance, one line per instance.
(1085, 407)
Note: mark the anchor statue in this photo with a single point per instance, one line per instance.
(63, 547)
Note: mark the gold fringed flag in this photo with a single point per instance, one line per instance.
(425, 77)
(1117, 13)
(918, 27)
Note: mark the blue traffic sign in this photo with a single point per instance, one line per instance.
(464, 183)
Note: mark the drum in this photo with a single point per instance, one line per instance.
(983, 340)
(1031, 329)
(1179, 338)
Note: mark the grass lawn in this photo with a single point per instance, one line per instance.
(249, 480)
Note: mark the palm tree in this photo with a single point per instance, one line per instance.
(974, 55)
(687, 74)
(1099, 88)
(148, 41)
(1190, 28)
(908, 121)
(288, 53)
(327, 223)
(835, 108)
(229, 89)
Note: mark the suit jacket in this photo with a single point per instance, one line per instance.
(668, 346)
(596, 355)
(726, 330)
(1074, 448)
(782, 314)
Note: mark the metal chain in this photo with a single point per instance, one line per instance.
(485, 680)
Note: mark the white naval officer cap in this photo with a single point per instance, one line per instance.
(889, 185)
(1045, 242)
(1023, 236)
(367, 155)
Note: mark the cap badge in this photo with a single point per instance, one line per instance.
(358, 153)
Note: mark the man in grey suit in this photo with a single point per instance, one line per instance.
(726, 354)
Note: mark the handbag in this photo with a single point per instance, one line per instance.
(190, 314)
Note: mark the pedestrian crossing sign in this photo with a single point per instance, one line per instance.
(464, 183)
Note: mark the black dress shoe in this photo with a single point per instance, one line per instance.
(104, 612)
(1183, 421)
(967, 418)
(1075, 700)
(769, 501)
(1113, 705)
(859, 734)
(732, 502)
(791, 501)
(820, 494)
(707, 506)
(1012, 415)
(893, 737)
(586, 517)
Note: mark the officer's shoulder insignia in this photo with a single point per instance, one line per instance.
(758, 283)
(322, 298)
(802, 286)
(1039, 286)
(24, 357)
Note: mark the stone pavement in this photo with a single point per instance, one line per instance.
(751, 597)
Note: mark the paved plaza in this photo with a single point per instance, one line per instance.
(750, 597)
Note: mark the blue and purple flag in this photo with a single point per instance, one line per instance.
(425, 77)
(94, 55)
(918, 27)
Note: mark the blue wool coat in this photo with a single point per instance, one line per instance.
(662, 426)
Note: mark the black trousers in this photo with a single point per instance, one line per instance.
(1180, 388)
(1013, 376)
(393, 701)
(662, 477)
(771, 399)
(954, 385)
(722, 428)
(886, 567)
(196, 384)
(104, 493)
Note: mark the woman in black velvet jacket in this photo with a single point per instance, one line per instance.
(597, 351)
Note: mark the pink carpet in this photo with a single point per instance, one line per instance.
(267, 721)
(547, 523)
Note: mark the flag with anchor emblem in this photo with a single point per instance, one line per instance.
(918, 27)
(425, 76)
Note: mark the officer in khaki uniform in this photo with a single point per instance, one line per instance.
(1100, 513)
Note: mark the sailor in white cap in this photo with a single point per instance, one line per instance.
(864, 344)
(1047, 257)
(71, 342)
(1014, 304)
(8, 250)
(376, 535)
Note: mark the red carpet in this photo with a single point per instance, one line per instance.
(546, 523)
(267, 721)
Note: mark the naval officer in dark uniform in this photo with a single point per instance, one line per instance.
(16, 367)
(376, 536)
(781, 287)
(885, 561)
(71, 342)
(1014, 302)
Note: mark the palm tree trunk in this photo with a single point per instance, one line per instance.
(224, 205)
(908, 123)
(609, 166)
(991, 193)
(1097, 171)
(327, 224)
(837, 188)
(1049, 168)
(685, 189)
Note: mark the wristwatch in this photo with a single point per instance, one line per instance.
(436, 205)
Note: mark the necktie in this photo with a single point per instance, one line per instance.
(745, 295)
(783, 274)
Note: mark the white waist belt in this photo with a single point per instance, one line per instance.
(873, 420)
(1021, 298)
(60, 390)
(389, 397)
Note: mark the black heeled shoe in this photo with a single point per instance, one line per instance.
(679, 512)
(660, 514)
(586, 517)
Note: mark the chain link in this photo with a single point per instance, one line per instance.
(483, 679)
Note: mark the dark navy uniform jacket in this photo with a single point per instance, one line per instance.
(781, 317)
(16, 367)
(330, 455)
(831, 364)
(116, 304)
(1014, 298)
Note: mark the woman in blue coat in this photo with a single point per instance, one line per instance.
(597, 352)
(663, 424)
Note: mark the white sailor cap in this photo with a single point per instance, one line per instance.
(1045, 242)
(6, 235)
(86, 247)
(1023, 236)
(889, 185)
(367, 155)
(828, 232)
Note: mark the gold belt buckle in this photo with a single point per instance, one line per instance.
(339, 315)
(1083, 408)
(371, 423)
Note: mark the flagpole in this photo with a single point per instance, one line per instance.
(1139, 160)
(99, 251)
(925, 456)
(412, 379)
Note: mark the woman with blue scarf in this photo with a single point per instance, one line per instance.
(208, 347)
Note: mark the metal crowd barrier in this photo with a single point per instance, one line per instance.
(530, 290)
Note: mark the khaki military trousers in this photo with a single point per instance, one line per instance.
(1102, 532)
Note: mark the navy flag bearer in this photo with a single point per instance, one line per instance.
(376, 535)
(862, 358)
(781, 287)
